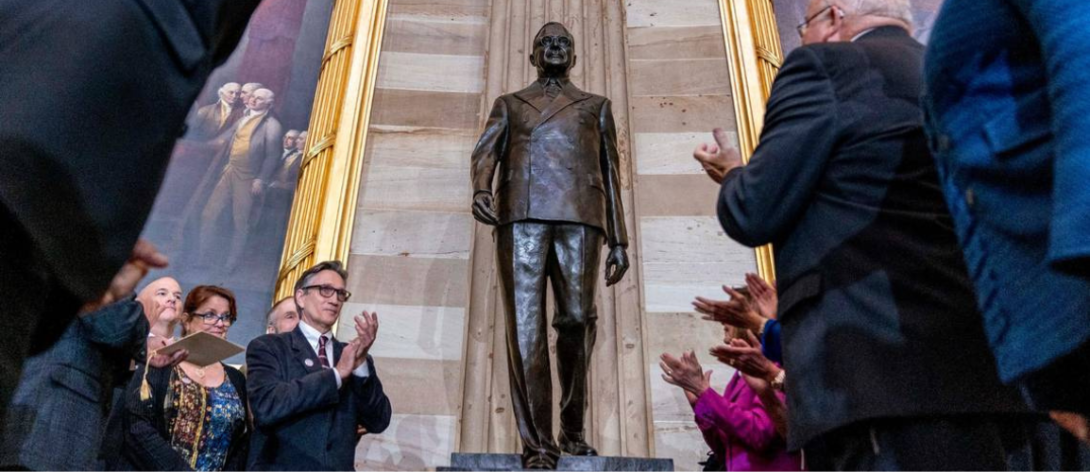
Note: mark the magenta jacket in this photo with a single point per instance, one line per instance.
(739, 430)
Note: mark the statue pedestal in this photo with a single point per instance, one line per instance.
(460, 461)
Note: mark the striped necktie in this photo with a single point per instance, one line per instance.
(321, 352)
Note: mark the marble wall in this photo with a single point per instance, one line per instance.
(413, 231)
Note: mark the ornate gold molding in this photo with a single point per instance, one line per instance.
(323, 209)
(755, 56)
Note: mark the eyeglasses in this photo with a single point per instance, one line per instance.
(211, 318)
(802, 27)
(328, 291)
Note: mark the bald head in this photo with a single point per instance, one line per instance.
(163, 295)
(283, 317)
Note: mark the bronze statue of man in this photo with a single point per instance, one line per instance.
(557, 201)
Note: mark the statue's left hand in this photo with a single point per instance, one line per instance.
(616, 265)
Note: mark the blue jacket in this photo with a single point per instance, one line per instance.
(1008, 105)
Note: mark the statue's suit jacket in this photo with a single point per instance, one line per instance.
(557, 160)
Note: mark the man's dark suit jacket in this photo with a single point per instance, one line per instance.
(93, 96)
(302, 421)
(877, 309)
(557, 160)
(56, 418)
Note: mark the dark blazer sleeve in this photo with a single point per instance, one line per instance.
(616, 233)
(146, 445)
(1060, 27)
(373, 409)
(273, 396)
(760, 202)
(492, 144)
(118, 326)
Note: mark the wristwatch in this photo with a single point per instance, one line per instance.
(779, 380)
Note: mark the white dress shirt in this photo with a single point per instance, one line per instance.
(312, 336)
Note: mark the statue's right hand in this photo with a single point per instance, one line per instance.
(483, 210)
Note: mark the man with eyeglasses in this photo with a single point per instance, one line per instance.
(309, 392)
(889, 368)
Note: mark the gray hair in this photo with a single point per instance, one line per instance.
(305, 277)
(896, 9)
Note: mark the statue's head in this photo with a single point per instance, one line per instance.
(554, 51)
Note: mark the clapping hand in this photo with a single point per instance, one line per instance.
(734, 312)
(764, 296)
(366, 332)
(685, 373)
(355, 353)
(718, 159)
(745, 355)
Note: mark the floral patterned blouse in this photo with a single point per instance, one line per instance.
(204, 421)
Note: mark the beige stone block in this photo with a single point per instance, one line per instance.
(393, 280)
(462, 36)
(396, 146)
(421, 387)
(418, 109)
(426, 234)
(672, 13)
(676, 195)
(661, 114)
(682, 442)
(655, 77)
(431, 72)
(671, 153)
(677, 42)
(407, 187)
(453, 10)
(412, 442)
(685, 257)
(409, 332)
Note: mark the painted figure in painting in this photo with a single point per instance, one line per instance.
(558, 200)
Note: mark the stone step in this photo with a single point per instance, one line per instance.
(470, 461)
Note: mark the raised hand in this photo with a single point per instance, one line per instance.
(745, 355)
(720, 158)
(366, 332)
(685, 373)
(349, 359)
(735, 311)
(764, 296)
(144, 258)
(483, 209)
(616, 265)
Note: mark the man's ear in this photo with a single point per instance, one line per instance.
(533, 60)
(574, 59)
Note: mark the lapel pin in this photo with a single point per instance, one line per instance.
(309, 363)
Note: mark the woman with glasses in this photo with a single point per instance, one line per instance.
(196, 418)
